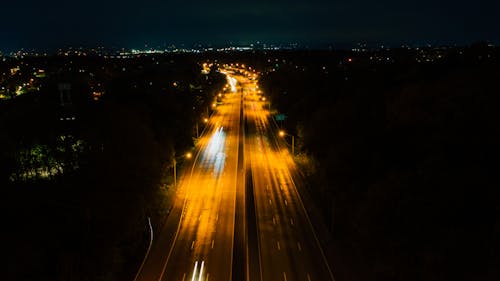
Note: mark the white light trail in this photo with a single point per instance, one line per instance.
(201, 271)
(216, 143)
(232, 83)
(214, 153)
(194, 270)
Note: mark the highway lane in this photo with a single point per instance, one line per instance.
(197, 240)
(207, 225)
(288, 247)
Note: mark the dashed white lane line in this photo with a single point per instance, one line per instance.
(192, 245)
(286, 203)
(278, 243)
(201, 271)
(291, 221)
(299, 247)
(284, 276)
(308, 277)
(213, 243)
(194, 270)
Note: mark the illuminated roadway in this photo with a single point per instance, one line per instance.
(223, 229)
(288, 247)
(197, 240)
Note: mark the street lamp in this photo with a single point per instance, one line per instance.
(205, 120)
(283, 134)
(187, 156)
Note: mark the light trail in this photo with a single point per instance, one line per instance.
(214, 153)
(200, 275)
(194, 270)
(201, 271)
(232, 83)
(216, 143)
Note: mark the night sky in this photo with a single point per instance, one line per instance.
(51, 24)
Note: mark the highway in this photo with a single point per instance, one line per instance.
(196, 242)
(288, 246)
(237, 213)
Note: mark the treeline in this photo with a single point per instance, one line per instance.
(402, 158)
(113, 152)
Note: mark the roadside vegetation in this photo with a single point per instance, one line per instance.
(80, 179)
(400, 153)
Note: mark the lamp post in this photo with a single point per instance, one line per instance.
(205, 121)
(188, 156)
(267, 103)
(283, 134)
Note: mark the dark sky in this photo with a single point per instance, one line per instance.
(50, 24)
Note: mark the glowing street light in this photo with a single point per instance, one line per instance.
(188, 155)
(283, 134)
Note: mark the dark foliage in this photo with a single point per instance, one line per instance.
(406, 158)
(90, 223)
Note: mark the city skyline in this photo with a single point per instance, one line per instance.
(126, 24)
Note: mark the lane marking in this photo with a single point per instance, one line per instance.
(298, 246)
(194, 270)
(274, 220)
(192, 245)
(284, 276)
(201, 271)
(269, 201)
(308, 277)
(212, 243)
(149, 249)
(286, 203)
(183, 276)
(279, 248)
(208, 274)
(291, 221)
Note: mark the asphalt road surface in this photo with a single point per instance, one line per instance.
(237, 213)
(287, 244)
(196, 242)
